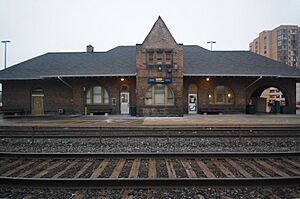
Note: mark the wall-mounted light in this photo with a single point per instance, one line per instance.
(122, 79)
(207, 79)
(229, 95)
(209, 96)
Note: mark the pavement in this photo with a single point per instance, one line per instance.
(126, 120)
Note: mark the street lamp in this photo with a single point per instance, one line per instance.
(5, 47)
(211, 43)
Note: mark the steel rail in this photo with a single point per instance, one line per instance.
(149, 155)
(146, 182)
(92, 132)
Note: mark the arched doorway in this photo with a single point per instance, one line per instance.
(37, 101)
(269, 99)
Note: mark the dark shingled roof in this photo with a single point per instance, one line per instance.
(120, 61)
(199, 61)
(117, 61)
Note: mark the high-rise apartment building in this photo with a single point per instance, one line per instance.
(281, 44)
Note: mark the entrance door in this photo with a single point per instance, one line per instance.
(192, 104)
(37, 105)
(124, 98)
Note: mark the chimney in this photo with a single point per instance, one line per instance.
(89, 49)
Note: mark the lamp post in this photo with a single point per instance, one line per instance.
(5, 47)
(211, 43)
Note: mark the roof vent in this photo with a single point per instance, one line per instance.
(89, 49)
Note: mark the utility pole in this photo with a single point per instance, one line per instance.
(5, 48)
(211, 43)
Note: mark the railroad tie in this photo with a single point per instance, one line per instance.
(10, 172)
(287, 167)
(239, 168)
(205, 169)
(152, 168)
(83, 169)
(100, 168)
(135, 168)
(256, 169)
(117, 170)
(12, 164)
(66, 169)
(223, 169)
(291, 162)
(23, 174)
(170, 169)
(270, 167)
(46, 171)
(188, 169)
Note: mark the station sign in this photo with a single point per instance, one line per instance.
(159, 80)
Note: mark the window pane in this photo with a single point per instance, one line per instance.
(170, 97)
(168, 58)
(159, 98)
(97, 90)
(97, 99)
(160, 89)
(106, 98)
(159, 57)
(88, 97)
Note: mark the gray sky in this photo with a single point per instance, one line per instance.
(36, 27)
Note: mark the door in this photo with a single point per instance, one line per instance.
(192, 106)
(124, 99)
(37, 105)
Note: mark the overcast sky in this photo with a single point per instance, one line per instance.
(36, 27)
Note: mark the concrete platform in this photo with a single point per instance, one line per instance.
(125, 120)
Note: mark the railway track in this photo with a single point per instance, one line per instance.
(149, 131)
(149, 169)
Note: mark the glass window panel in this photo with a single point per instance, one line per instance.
(160, 89)
(159, 99)
(106, 98)
(97, 99)
(159, 57)
(97, 90)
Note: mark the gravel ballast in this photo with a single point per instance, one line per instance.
(93, 145)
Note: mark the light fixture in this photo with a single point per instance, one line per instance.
(122, 79)
(207, 79)
(229, 95)
(209, 96)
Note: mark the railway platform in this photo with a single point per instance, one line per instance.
(125, 120)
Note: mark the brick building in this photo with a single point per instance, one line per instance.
(159, 77)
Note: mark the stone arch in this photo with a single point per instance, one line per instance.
(256, 92)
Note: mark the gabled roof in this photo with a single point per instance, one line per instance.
(159, 36)
(201, 62)
(115, 62)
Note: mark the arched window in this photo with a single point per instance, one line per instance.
(159, 94)
(97, 95)
(221, 95)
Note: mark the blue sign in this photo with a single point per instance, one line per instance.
(153, 80)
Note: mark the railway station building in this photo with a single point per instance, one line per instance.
(158, 77)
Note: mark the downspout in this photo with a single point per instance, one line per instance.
(254, 82)
(64, 82)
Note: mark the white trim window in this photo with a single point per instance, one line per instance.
(97, 95)
(159, 94)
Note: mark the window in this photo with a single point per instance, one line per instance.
(159, 58)
(159, 94)
(168, 58)
(221, 95)
(97, 95)
(150, 58)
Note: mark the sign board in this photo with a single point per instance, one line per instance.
(159, 80)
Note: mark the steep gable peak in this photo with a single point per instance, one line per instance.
(159, 36)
